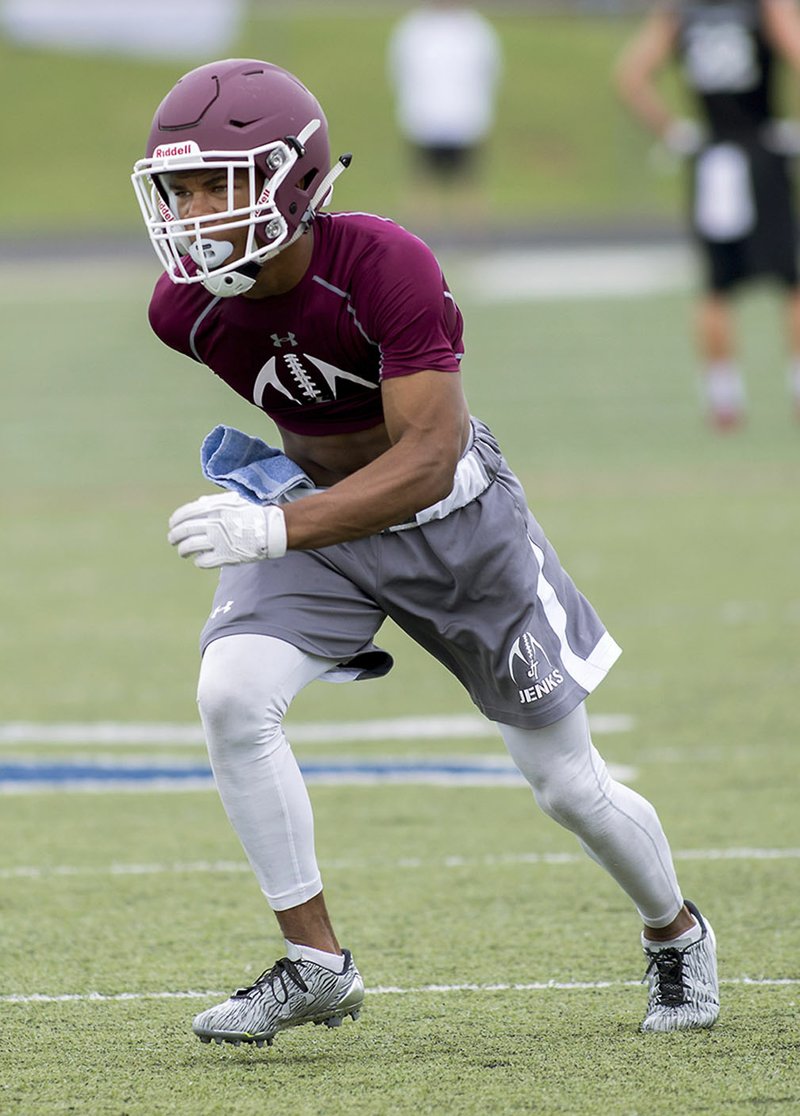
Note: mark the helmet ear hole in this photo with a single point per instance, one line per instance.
(307, 180)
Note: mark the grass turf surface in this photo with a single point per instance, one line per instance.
(687, 545)
(562, 147)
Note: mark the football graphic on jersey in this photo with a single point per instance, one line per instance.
(304, 379)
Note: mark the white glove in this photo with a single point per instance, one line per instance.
(225, 529)
(683, 137)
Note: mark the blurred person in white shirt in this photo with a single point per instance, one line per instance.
(445, 62)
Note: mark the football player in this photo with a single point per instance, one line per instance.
(387, 499)
(743, 210)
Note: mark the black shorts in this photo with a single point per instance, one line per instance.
(447, 162)
(770, 249)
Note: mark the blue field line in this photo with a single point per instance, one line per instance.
(18, 776)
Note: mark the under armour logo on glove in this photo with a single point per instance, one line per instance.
(225, 530)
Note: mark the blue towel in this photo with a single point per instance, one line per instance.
(246, 465)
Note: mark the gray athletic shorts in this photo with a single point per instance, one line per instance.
(481, 589)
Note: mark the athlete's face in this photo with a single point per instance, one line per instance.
(204, 193)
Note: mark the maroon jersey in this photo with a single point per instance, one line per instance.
(372, 304)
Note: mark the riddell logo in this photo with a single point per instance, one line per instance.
(170, 150)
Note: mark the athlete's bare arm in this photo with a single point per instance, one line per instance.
(411, 463)
(634, 75)
(782, 27)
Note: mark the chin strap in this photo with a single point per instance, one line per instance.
(233, 283)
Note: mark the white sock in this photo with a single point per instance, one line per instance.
(724, 387)
(687, 938)
(332, 961)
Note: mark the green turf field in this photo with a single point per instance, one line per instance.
(561, 147)
(562, 151)
(125, 913)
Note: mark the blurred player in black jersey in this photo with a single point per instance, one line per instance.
(743, 213)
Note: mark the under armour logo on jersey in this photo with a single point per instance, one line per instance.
(220, 610)
(277, 341)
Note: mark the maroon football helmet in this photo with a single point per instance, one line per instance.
(237, 114)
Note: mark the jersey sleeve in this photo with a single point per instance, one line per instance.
(170, 316)
(405, 307)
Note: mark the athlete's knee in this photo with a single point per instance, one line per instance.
(234, 713)
(235, 718)
(568, 777)
(587, 801)
(567, 796)
(563, 788)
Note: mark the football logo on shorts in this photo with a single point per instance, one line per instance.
(529, 666)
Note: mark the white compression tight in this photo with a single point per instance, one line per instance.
(616, 826)
(246, 685)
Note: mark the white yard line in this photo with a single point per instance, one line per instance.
(387, 990)
(115, 733)
(223, 867)
(547, 274)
